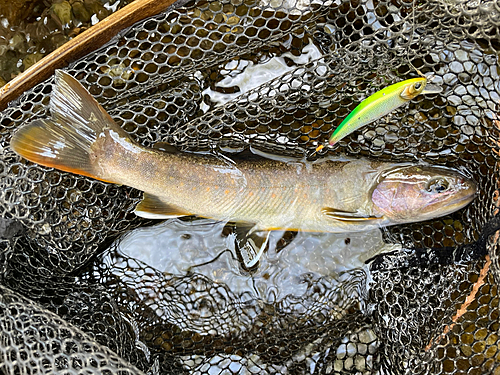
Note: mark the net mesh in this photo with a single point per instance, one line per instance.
(72, 303)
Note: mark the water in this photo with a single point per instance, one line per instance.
(26, 37)
(178, 247)
(246, 75)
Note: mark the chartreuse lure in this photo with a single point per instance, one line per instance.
(380, 104)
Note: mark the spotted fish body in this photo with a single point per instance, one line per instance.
(269, 194)
(378, 105)
(333, 196)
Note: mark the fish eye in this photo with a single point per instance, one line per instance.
(437, 185)
(417, 86)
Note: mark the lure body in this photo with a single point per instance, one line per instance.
(378, 105)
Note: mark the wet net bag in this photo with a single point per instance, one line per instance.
(271, 76)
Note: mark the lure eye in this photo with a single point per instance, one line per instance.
(437, 185)
(417, 86)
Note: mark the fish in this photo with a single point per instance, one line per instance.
(344, 194)
(380, 104)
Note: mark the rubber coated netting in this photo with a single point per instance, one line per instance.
(71, 302)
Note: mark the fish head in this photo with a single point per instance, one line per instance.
(418, 193)
(413, 88)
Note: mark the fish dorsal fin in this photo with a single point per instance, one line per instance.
(347, 216)
(152, 207)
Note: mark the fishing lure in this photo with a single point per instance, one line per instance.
(380, 104)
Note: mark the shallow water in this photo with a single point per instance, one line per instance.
(246, 75)
(27, 36)
(178, 247)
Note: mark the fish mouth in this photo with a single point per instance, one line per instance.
(464, 200)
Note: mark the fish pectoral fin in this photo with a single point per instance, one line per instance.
(152, 207)
(347, 216)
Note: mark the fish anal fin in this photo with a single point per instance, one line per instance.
(251, 242)
(152, 207)
(347, 216)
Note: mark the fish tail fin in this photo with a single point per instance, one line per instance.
(45, 142)
(67, 141)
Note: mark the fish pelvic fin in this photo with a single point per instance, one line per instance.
(67, 140)
(152, 207)
(347, 217)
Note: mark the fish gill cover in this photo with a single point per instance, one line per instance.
(70, 302)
